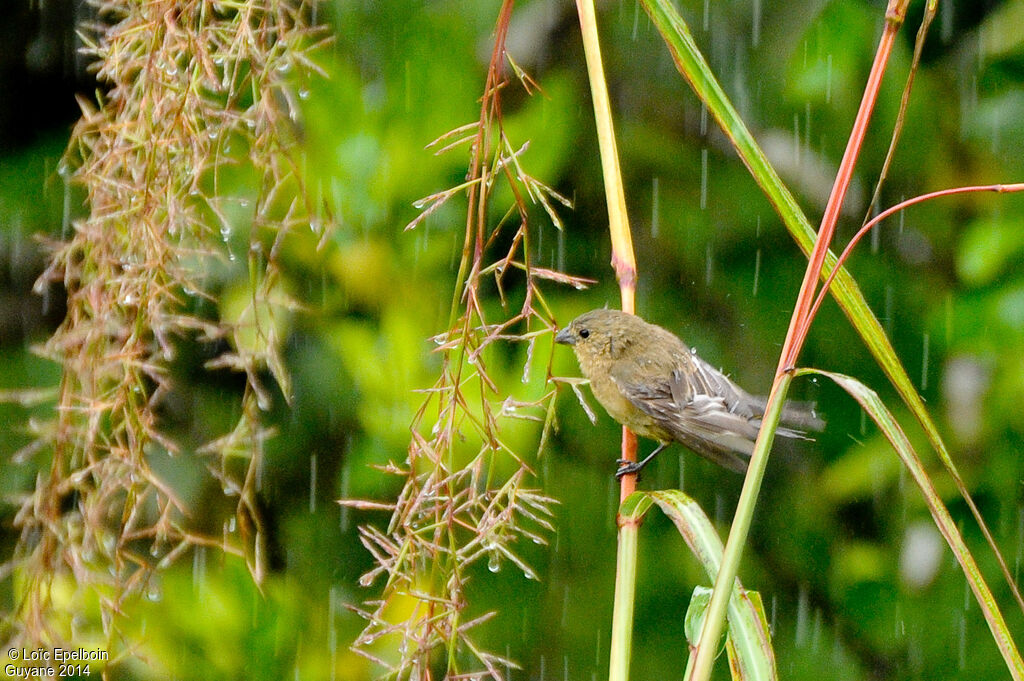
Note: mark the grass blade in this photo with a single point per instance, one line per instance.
(749, 644)
(694, 68)
(880, 414)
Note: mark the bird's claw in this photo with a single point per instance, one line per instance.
(627, 467)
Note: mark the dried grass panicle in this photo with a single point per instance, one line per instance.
(456, 508)
(192, 88)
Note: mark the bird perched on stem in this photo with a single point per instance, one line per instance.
(650, 382)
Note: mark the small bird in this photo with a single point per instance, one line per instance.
(650, 382)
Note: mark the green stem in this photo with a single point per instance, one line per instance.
(623, 258)
(714, 620)
(622, 613)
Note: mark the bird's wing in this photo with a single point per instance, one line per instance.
(799, 416)
(678, 401)
(711, 382)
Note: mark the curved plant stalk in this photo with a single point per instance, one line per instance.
(714, 622)
(623, 259)
(847, 293)
(940, 447)
(892, 431)
(889, 212)
(750, 650)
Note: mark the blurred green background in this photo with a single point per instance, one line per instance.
(856, 579)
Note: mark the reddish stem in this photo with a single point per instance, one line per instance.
(874, 222)
(798, 324)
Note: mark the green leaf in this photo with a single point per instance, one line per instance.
(749, 641)
(883, 418)
(695, 613)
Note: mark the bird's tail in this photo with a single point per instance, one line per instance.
(802, 415)
(797, 417)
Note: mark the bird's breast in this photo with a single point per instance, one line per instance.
(620, 408)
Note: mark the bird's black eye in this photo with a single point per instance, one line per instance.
(584, 333)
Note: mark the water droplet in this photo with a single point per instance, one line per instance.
(263, 400)
(924, 362)
(109, 543)
(755, 28)
(921, 554)
(704, 178)
(828, 79)
(796, 139)
(709, 265)
(757, 271)
(655, 205)
(802, 613)
(312, 482)
(962, 648)
(343, 521)
(529, 361)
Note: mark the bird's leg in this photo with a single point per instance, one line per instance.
(626, 467)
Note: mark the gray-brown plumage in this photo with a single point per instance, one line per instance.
(650, 382)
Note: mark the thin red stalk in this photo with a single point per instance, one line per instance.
(478, 170)
(915, 62)
(475, 239)
(714, 621)
(999, 188)
(627, 484)
(947, 462)
(797, 326)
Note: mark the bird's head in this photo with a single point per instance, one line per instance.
(600, 334)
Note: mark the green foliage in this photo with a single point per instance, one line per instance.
(715, 266)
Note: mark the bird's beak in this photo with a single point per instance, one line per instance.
(565, 337)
